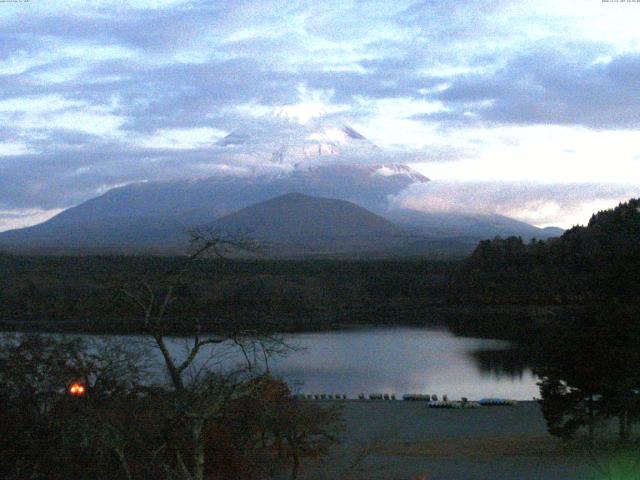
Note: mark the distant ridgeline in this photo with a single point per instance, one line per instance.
(586, 264)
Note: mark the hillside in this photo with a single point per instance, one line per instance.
(154, 219)
(153, 215)
(474, 227)
(295, 216)
(296, 224)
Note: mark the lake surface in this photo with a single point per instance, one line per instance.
(391, 360)
(404, 360)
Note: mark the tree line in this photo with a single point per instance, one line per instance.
(587, 264)
(86, 292)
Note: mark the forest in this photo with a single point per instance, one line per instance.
(86, 293)
(586, 264)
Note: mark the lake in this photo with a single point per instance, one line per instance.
(404, 360)
(395, 360)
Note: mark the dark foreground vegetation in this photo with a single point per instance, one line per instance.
(590, 264)
(587, 358)
(241, 425)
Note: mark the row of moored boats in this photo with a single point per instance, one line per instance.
(431, 400)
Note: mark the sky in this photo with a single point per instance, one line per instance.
(525, 108)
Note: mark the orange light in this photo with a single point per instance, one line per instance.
(76, 389)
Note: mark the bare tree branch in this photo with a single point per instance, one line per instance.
(203, 399)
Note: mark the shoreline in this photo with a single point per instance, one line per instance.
(465, 320)
(405, 440)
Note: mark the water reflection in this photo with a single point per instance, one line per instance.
(510, 363)
(406, 360)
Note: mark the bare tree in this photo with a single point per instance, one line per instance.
(197, 402)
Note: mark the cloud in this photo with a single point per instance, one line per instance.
(52, 112)
(181, 138)
(537, 153)
(8, 149)
(19, 218)
(552, 86)
(540, 204)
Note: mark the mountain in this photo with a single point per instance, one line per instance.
(316, 158)
(292, 144)
(298, 217)
(274, 159)
(552, 232)
(473, 227)
(152, 217)
(154, 214)
(295, 224)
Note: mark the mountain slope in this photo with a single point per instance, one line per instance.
(160, 214)
(154, 214)
(295, 224)
(471, 226)
(295, 216)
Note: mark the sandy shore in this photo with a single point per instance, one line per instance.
(408, 440)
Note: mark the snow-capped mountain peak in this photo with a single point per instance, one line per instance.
(280, 147)
(293, 144)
